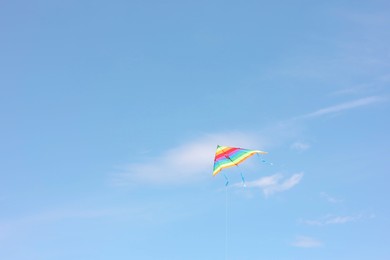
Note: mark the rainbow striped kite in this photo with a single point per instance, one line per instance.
(226, 157)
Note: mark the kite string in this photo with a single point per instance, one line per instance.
(226, 223)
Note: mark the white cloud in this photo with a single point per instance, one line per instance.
(344, 106)
(275, 183)
(60, 214)
(300, 146)
(336, 220)
(306, 242)
(187, 162)
(193, 160)
(330, 198)
(358, 89)
(367, 18)
(341, 219)
(20, 224)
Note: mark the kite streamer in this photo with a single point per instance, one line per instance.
(243, 179)
(227, 180)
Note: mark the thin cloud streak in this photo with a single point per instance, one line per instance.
(306, 242)
(275, 183)
(336, 220)
(342, 107)
(330, 198)
(23, 223)
(300, 146)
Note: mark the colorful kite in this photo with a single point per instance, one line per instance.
(226, 157)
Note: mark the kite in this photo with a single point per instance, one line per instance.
(226, 157)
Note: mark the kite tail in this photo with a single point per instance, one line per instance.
(243, 180)
(264, 161)
(227, 180)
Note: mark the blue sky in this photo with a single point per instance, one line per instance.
(112, 110)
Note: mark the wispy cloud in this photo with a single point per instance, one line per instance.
(342, 107)
(330, 198)
(187, 162)
(193, 160)
(306, 242)
(275, 183)
(300, 146)
(377, 84)
(355, 90)
(367, 18)
(336, 220)
(60, 214)
(22, 223)
(150, 214)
